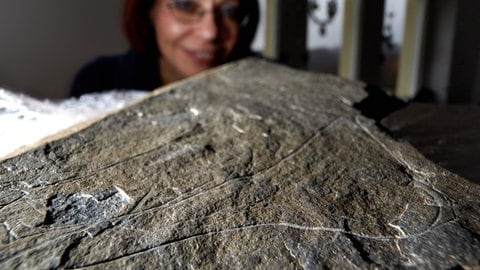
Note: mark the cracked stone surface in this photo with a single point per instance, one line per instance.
(251, 165)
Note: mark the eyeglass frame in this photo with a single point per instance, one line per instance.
(198, 15)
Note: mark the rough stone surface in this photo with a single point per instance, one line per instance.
(252, 165)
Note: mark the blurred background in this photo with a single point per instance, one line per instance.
(427, 50)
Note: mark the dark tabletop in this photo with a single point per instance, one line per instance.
(445, 134)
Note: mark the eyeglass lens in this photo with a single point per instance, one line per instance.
(192, 10)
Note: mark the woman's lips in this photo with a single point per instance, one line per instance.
(202, 57)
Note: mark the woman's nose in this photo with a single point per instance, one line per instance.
(208, 26)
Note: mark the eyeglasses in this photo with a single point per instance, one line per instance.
(191, 11)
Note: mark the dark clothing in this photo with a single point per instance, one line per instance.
(126, 71)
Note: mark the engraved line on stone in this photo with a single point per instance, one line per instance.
(45, 244)
(317, 228)
(168, 204)
(398, 228)
(437, 199)
(34, 208)
(95, 171)
(12, 202)
(241, 228)
(143, 199)
(300, 147)
(397, 244)
(65, 257)
(419, 183)
(197, 191)
(401, 236)
(71, 229)
(396, 156)
(246, 227)
(292, 254)
(400, 159)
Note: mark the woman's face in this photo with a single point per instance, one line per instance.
(193, 35)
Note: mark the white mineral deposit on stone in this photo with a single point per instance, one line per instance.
(255, 117)
(25, 120)
(346, 101)
(10, 231)
(239, 130)
(26, 185)
(123, 194)
(194, 111)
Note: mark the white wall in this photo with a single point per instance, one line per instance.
(259, 41)
(43, 43)
(332, 37)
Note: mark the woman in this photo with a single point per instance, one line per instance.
(171, 40)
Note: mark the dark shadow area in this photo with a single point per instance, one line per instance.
(445, 134)
(378, 104)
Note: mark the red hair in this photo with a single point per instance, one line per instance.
(137, 26)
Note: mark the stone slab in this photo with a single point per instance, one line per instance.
(251, 165)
